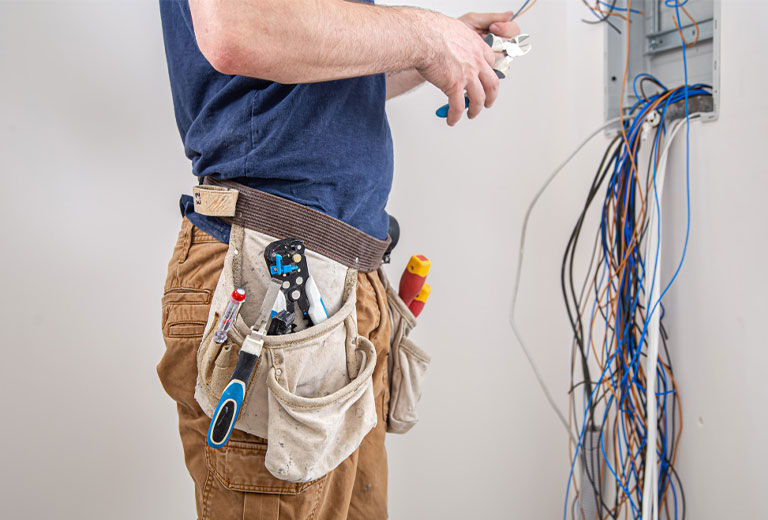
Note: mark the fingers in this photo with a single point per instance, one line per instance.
(483, 20)
(476, 95)
(456, 104)
(490, 56)
(484, 23)
(490, 82)
(505, 29)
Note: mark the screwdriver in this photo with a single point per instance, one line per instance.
(231, 400)
(413, 277)
(417, 305)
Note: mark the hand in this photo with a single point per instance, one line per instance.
(458, 61)
(461, 61)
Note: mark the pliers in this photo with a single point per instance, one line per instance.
(518, 46)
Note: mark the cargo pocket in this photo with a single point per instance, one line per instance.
(310, 394)
(239, 467)
(408, 365)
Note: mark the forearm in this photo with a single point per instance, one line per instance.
(323, 40)
(402, 81)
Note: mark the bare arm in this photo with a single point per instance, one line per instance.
(402, 81)
(303, 41)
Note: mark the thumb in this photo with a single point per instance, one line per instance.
(497, 18)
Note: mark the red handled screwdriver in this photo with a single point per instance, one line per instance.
(413, 278)
(418, 303)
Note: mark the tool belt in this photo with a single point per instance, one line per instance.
(252, 209)
(311, 392)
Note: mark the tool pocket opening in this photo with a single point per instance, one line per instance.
(311, 433)
(407, 365)
(310, 394)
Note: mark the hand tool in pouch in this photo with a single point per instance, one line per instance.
(418, 303)
(518, 46)
(228, 409)
(228, 317)
(413, 278)
(287, 262)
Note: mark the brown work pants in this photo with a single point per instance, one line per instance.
(232, 483)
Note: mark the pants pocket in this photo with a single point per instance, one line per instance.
(240, 487)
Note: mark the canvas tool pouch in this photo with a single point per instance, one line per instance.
(407, 364)
(310, 394)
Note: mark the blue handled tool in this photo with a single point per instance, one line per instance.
(514, 48)
(443, 110)
(231, 400)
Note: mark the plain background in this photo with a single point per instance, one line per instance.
(92, 170)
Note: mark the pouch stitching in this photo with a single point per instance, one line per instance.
(353, 387)
(350, 389)
(398, 305)
(411, 348)
(286, 340)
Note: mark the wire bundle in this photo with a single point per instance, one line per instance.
(623, 408)
(625, 424)
(610, 315)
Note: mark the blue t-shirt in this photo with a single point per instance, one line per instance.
(325, 145)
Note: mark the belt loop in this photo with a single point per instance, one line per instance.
(186, 229)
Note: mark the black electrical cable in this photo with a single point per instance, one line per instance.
(630, 322)
(575, 319)
(604, 17)
(517, 13)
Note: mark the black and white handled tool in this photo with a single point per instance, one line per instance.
(228, 409)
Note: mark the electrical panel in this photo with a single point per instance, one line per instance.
(655, 47)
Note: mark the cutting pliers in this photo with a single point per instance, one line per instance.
(518, 46)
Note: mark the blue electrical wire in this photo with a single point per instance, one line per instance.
(517, 13)
(628, 289)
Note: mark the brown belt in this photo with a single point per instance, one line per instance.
(282, 218)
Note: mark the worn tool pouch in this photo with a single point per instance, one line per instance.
(311, 393)
(407, 364)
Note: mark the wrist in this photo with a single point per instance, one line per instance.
(423, 37)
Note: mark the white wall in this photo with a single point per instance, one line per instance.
(92, 171)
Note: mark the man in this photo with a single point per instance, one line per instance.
(288, 97)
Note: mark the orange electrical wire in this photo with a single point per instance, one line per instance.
(631, 441)
(521, 13)
(680, 30)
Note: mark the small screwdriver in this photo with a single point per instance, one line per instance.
(228, 318)
(413, 277)
(417, 305)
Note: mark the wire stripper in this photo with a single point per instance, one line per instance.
(287, 262)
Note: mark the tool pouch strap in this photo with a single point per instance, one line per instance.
(282, 218)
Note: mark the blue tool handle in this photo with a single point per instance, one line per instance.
(443, 110)
(230, 402)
